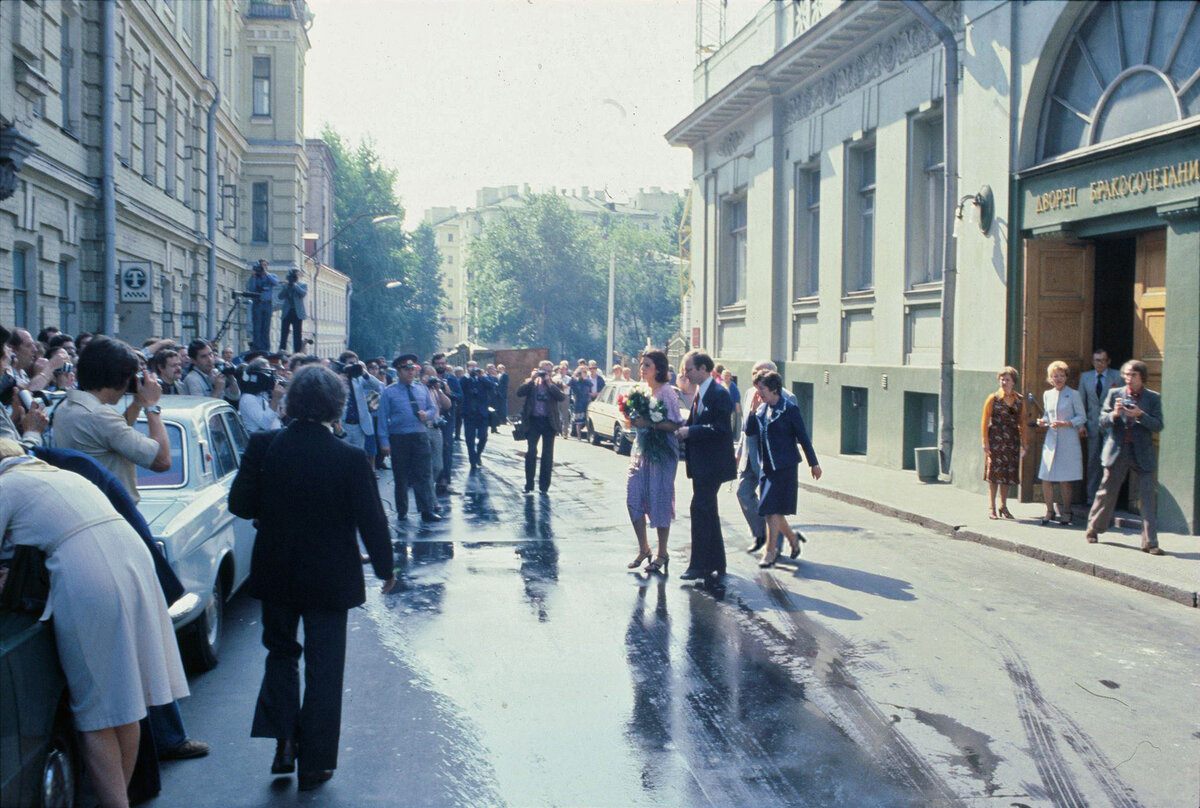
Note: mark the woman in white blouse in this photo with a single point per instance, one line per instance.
(1062, 457)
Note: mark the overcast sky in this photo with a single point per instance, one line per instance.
(460, 94)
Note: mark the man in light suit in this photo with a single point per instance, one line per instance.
(1094, 385)
(708, 454)
(1131, 415)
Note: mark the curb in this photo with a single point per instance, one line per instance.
(1150, 587)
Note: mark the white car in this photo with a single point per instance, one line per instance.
(187, 508)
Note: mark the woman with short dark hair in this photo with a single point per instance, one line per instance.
(312, 495)
(779, 427)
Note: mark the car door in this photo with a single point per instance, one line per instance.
(230, 426)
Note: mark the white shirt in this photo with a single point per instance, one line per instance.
(698, 403)
(257, 414)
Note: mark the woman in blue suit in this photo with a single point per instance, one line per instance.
(778, 426)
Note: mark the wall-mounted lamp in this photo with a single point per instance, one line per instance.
(985, 205)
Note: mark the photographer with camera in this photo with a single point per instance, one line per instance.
(453, 389)
(479, 391)
(261, 393)
(262, 285)
(292, 313)
(358, 421)
(430, 379)
(206, 378)
(541, 415)
(405, 410)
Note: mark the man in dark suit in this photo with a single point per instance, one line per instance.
(1094, 386)
(312, 495)
(1131, 414)
(709, 460)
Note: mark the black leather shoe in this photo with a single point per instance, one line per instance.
(759, 541)
(285, 757)
(186, 751)
(307, 781)
(691, 575)
(430, 516)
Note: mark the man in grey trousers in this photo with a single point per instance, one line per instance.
(749, 467)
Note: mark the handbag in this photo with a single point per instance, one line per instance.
(520, 430)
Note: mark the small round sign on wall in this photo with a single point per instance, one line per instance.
(135, 281)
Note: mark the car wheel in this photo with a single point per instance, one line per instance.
(592, 434)
(60, 765)
(204, 635)
(621, 443)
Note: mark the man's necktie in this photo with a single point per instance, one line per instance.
(1100, 387)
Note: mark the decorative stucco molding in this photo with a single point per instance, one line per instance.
(729, 144)
(875, 61)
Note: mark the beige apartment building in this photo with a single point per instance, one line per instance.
(150, 151)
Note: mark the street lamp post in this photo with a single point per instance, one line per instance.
(316, 251)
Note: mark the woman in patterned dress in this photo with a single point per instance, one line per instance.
(1004, 440)
(650, 486)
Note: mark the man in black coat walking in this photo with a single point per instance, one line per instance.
(708, 454)
(312, 495)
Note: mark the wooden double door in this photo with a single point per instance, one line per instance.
(1061, 313)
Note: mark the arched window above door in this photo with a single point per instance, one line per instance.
(1126, 68)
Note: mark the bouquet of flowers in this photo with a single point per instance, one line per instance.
(641, 403)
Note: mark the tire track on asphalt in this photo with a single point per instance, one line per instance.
(866, 724)
(1036, 713)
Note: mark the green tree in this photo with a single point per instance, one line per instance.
(536, 276)
(646, 288)
(383, 320)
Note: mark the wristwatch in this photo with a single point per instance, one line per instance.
(152, 408)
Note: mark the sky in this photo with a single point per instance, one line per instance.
(462, 94)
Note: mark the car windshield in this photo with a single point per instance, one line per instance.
(172, 477)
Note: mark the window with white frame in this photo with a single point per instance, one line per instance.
(858, 254)
(125, 97)
(169, 156)
(807, 247)
(262, 86)
(259, 212)
(732, 270)
(926, 223)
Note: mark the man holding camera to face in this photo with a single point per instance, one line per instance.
(358, 421)
(292, 312)
(107, 370)
(540, 413)
(261, 286)
(206, 378)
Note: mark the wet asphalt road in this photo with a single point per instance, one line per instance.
(523, 665)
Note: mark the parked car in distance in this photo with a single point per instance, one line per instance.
(187, 507)
(605, 422)
(39, 756)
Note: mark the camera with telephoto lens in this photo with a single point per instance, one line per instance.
(252, 380)
(542, 374)
(135, 381)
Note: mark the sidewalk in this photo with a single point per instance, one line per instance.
(960, 514)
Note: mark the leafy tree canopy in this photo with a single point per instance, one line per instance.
(383, 321)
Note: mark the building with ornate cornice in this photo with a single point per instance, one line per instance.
(159, 151)
(892, 232)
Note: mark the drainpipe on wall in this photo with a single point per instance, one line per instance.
(949, 254)
(108, 185)
(210, 159)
